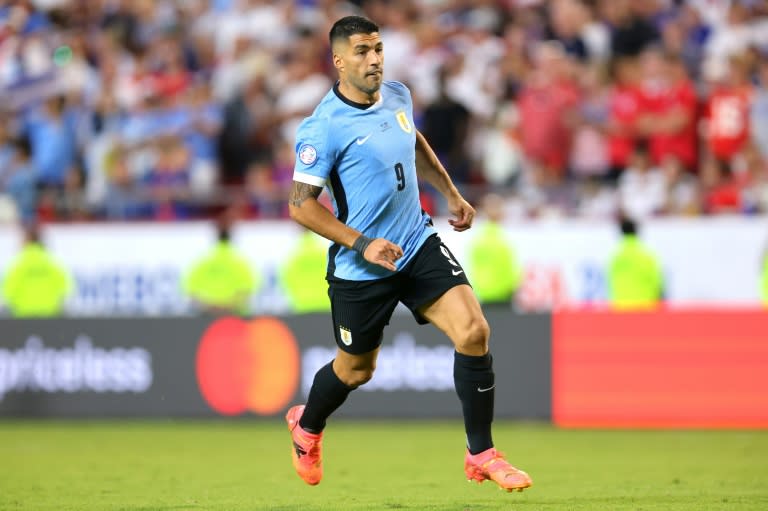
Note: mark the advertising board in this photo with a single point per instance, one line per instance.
(699, 368)
(255, 367)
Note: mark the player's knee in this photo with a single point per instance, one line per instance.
(473, 338)
(356, 373)
(355, 370)
(357, 377)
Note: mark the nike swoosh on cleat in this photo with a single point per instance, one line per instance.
(480, 389)
(299, 450)
(363, 140)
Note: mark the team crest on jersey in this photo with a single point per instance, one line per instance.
(346, 336)
(402, 120)
(307, 154)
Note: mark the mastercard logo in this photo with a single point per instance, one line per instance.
(248, 366)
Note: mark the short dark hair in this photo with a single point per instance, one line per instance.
(628, 226)
(223, 232)
(32, 232)
(348, 26)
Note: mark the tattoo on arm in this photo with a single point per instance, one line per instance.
(301, 192)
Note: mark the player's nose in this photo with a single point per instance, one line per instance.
(375, 59)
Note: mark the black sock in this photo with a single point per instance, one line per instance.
(328, 392)
(474, 380)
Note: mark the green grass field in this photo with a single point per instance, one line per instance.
(245, 465)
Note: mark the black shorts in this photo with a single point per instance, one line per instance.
(361, 309)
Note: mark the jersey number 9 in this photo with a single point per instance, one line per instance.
(400, 174)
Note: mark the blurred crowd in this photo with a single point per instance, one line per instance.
(177, 109)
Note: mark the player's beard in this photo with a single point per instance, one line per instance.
(370, 84)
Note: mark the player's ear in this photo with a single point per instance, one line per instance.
(338, 62)
(338, 47)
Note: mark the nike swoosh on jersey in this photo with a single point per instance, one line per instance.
(363, 140)
(479, 389)
(456, 272)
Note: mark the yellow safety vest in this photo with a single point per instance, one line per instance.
(493, 268)
(35, 285)
(634, 277)
(222, 279)
(303, 275)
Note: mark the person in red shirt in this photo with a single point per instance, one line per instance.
(721, 191)
(624, 110)
(727, 111)
(668, 102)
(171, 78)
(546, 111)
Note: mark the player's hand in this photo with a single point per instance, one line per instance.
(384, 253)
(463, 211)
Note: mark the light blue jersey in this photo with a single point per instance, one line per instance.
(366, 157)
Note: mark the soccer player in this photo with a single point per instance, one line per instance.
(361, 144)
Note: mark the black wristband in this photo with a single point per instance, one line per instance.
(361, 243)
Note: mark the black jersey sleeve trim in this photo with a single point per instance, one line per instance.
(343, 211)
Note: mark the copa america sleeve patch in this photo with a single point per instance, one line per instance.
(307, 154)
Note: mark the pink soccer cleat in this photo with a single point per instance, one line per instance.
(306, 450)
(490, 464)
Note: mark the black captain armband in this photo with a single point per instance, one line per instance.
(361, 243)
